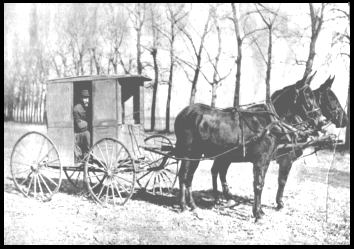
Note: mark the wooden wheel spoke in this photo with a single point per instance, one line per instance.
(29, 186)
(153, 187)
(53, 148)
(21, 154)
(159, 179)
(94, 166)
(100, 192)
(26, 178)
(102, 154)
(98, 161)
(52, 161)
(40, 152)
(107, 195)
(40, 186)
(50, 179)
(23, 164)
(114, 145)
(35, 186)
(17, 173)
(171, 171)
(120, 196)
(122, 185)
(124, 179)
(149, 179)
(168, 188)
(144, 175)
(96, 176)
(45, 184)
(114, 199)
(108, 163)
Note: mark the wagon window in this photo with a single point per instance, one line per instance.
(130, 104)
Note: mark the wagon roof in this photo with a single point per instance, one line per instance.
(98, 77)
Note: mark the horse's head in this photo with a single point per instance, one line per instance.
(306, 106)
(329, 104)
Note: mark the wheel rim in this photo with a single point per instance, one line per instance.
(110, 172)
(35, 166)
(157, 174)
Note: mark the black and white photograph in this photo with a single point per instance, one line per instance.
(176, 123)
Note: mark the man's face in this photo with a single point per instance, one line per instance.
(85, 101)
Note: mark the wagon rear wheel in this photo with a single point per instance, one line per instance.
(157, 174)
(35, 166)
(110, 172)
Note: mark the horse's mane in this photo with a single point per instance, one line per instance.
(277, 93)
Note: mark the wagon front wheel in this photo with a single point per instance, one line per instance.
(157, 174)
(110, 172)
(35, 166)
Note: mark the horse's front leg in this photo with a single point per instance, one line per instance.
(214, 174)
(285, 163)
(182, 177)
(259, 170)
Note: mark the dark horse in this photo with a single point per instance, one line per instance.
(333, 112)
(201, 129)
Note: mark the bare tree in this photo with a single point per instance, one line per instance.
(175, 14)
(116, 33)
(137, 17)
(317, 19)
(269, 18)
(239, 54)
(155, 18)
(216, 80)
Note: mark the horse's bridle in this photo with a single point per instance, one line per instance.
(334, 112)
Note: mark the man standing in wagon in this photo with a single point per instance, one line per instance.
(82, 134)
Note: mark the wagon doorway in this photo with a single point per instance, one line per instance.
(78, 87)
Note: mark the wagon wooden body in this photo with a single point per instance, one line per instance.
(116, 159)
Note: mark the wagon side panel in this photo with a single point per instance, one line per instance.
(60, 119)
(104, 109)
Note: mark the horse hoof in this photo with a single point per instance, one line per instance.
(197, 214)
(280, 206)
(261, 212)
(230, 203)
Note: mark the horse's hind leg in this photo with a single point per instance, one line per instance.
(193, 165)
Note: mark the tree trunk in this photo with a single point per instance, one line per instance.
(199, 60)
(154, 93)
(138, 46)
(194, 84)
(316, 24)
(169, 93)
(239, 56)
(269, 66)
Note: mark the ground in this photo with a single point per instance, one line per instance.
(317, 211)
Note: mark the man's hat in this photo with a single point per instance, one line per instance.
(85, 93)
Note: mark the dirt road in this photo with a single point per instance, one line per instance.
(73, 218)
